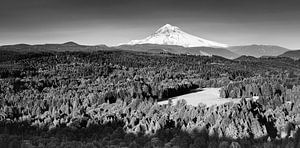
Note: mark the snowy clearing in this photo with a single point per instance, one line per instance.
(208, 96)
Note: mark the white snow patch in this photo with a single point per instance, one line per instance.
(165, 50)
(205, 53)
(208, 96)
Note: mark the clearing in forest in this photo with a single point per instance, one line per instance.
(208, 96)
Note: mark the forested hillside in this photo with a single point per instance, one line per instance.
(109, 99)
(294, 54)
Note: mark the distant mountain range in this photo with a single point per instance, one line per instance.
(68, 46)
(229, 53)
(184, 43)
(167, 39)
(14, 51)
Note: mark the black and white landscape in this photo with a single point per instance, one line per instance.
(153, 74)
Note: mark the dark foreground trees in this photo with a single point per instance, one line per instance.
(109, 98)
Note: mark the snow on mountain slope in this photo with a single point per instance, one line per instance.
(172, 35)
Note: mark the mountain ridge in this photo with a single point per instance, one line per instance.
(258, 50)
(294, 54)
(53, 47)
(173, 35)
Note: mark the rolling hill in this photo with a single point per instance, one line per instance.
(14, 51)
(258, 50)
(294, 54)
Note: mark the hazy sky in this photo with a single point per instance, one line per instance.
(233, 22)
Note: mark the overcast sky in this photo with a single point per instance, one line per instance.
(233, 22)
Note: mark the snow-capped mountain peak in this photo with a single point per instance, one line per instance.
(167, 29)
(172, 35)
